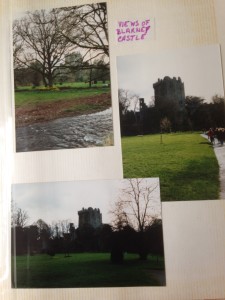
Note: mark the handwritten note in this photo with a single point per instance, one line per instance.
(135, 30)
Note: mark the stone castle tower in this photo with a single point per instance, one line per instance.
(169, 89)
(91, 217)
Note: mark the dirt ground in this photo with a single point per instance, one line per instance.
(30, 114)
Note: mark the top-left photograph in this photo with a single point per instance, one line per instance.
(62, 78)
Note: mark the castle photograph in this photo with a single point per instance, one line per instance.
(172, 85)
(171, 103)
(87, 234)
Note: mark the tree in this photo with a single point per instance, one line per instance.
(124, 101)
(60, 227)
(120, 219)
(133, 212)
(86, 27)
(38, 44)
(135, 204)
(218, 111)
(19, 217)
(165, 125)
(192, 103)
(129, 112)
(101, 71)
(44, 233)
(155, 233)
(72, 68)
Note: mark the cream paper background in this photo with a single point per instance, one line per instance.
(194, 231)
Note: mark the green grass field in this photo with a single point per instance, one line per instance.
(36, 97)
(184, 162)
(63, 85)
(83, 270)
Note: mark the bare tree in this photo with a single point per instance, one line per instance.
(128, 101)
(60, 227)
(86, 27)
(17, 48)
(165, 124)
(124, 100)
(134, 205)
(64, 226)
(120, 218)
(19, 217)
(38, 44)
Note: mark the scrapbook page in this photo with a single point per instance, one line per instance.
(113, 124)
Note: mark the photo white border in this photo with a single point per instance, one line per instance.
(194, 231)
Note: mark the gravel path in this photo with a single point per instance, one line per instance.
(220, 155)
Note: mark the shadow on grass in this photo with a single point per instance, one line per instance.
(200, 179)
(205, 143)
(78, 271)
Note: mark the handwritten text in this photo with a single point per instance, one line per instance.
(133, 30)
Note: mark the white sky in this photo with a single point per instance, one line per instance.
(199, 69)
(62, 200)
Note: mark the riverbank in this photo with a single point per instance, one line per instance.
(89, 130)
(30, 114)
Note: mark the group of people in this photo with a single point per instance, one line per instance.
(217, 133)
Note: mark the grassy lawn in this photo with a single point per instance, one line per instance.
(65, 84)
(37, 97)
(184, 162)
(84, 270)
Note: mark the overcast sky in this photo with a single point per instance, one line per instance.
(62, 200)
(198, 67)
(86, 53)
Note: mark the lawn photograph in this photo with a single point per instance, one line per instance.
(62, 78)
(105, 233)
(172, 119)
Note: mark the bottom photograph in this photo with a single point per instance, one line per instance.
(101, 233)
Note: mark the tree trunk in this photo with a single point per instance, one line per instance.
(44, 81)
(50, 80)
(90, 78)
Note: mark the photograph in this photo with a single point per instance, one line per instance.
(112, 150)
(104, 233)
(172, 119)
(62, 85)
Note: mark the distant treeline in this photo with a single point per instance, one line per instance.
(39, 238)
(140, 118)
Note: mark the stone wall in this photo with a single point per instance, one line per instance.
(169, 89)
(90, 217)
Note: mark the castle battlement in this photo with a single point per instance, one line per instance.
(169, 89)
(90, 217)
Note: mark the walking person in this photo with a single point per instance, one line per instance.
(211, 135)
